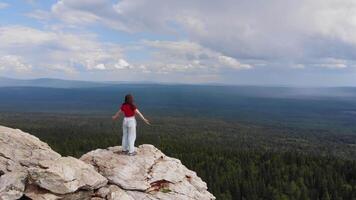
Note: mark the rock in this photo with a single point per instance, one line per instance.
(35, 192)
(150, 174)
(30, 168)
(7, 165)
(19, 149)
(117, 193)
(78, 195)
(141, 195)
(12, 185)
(112, 192)
(179, 179)
(128, 172)
(66, 175)
(102, 192)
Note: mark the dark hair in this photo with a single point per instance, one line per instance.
(130, 101)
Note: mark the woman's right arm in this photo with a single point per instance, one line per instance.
(117, 114)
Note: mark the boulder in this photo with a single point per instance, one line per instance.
(36, 193)
(12, 185)
(128, 172)
(117, 193)
(19, 149)
(148, 175)
(66, 175)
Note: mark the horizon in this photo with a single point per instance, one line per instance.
(176, 83)
(225, 42)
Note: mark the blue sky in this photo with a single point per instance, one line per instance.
(249, 42)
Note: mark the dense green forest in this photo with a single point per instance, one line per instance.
(238, 160)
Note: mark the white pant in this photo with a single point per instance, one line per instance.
(129, 134)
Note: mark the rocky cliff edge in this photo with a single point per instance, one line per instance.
(30, 169)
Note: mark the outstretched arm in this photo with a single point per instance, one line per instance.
(142, 117)
(117, 114)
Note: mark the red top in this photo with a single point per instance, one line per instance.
(128, 110)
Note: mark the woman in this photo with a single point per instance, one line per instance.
(129, 110)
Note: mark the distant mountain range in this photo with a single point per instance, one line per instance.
(256, 91)
(48, 82)
(62, 83)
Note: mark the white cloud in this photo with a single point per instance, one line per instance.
(189, 56)
(100, 66)
(240, 29)
(325, 63)
(74, 16)
(207, 39)
(3, 5)
(84, 12)
(334, 19)
(332, 63)
(232, 62)
(15, 36)
(40, 15)
(14, 63)
(69, 52)
(122, 64)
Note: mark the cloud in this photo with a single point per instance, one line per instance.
(232, 62)
(83, 12)
(3, 5)
(14, 63)
(242, 30)
(122, 64)
(74, 16)
(235, 41)
(39, 15)
(188, 56)
(57, 51)
(332, 63)
(100, 66)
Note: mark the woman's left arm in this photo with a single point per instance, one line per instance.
(117, 114)
(142, 117)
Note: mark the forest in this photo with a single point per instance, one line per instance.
(246, 147)
(237, 160)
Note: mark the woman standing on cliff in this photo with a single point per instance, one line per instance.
(129, 109)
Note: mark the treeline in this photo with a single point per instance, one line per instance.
(238, 161)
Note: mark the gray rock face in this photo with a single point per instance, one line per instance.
(12, 185)
(66, 175)
(128, 172)
(25, 160)
(148, 175)
(19, 150)
(29, 167)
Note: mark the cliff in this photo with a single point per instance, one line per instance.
(30, 169)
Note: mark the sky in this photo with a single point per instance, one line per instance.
(242, 42)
